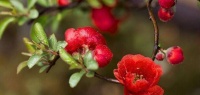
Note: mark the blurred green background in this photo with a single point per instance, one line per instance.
(135, 36)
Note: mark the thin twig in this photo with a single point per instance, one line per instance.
(52, 63)
(156, 30)
(59, 8)
(106, 79)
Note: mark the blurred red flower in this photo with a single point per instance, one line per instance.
(139, 75)
(104, 20)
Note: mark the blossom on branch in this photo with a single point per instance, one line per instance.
(104, 20)
(81, 39)
(139, 75)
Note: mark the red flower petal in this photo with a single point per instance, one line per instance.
(76, 39)
(155, 90)
(137, 72)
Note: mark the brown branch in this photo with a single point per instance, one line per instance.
(52, 63)
(59, 8)
(106, 79)
(156, 30)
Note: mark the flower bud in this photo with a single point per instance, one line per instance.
(174, 55)
(165, 14)
(166, 3)
(103, 55)
(63, 2)
(160, 56)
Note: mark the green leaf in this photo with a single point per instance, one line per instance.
(33, 60)
(29, 46)
(31, 3)
(4, 23)
(42, 69)
(22, 20)
(75, 78)
(109, 2)
(33, 36)
(21, 66)
(53, 42)
(61, 44)
(43, 19)
(94, 3)
(89, 62)
(6, 4)
(17, 5)
(38, 31)
(66, 57)
(33, 13)
(43, 3)
(90, 74)
(56, 22)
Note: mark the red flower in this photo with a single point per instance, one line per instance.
(103, 55)
(104, 19)
(138, 74)
(155, 90)
(85, 36)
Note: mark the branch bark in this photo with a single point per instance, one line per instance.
(106, 79)
(156, 30)
(52, 63)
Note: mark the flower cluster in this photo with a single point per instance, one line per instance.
(166, 11)
(87, 38)
(104, 20)
(139, 75)
(174, 55)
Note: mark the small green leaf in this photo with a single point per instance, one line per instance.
(17, 5)
(109, 2)
(53, 42)
(31, 3)
(56, 22)
(89, 62)
(33, 36)
(94, 3)
(42, 69)
(40, 64)
(75, 78)
(43, 3)
(29, 46)
(21, 66)
(43, 19)
(4, 23)
(6, 4)
(90, 74)
(61, 44)
(22, 20)
(33, 13)
(66, 57)
(39, 32)
(33, 60)
(39, 51)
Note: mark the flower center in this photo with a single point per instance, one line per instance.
(137, 77)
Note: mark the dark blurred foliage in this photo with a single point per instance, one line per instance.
(135, 36)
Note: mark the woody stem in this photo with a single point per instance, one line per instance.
(156, 30)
